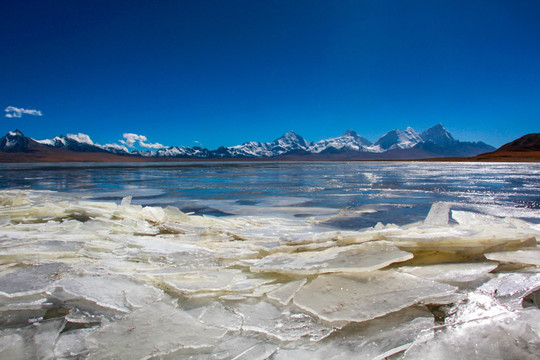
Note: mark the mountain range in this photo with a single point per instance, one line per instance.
(434, 142)
(395, 144)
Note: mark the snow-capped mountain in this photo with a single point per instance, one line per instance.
(249, 149)
(79, 142)
(395, 144)
(397, 139)
(349, 141)
(288, 143)
(438, 135)
(177, 151)
(14, 141)
(17, 148)
(437, 140)
(82, 143)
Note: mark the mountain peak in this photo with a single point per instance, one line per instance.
(14, 141)
(290, 141)
(78, 142)
(350, 133)
(290, 135)
(399, 139)
(17, 132)
(360, 140)
(438, 135)
(433, 142)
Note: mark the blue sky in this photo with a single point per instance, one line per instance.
(215, 72)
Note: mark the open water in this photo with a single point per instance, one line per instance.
(362, 193)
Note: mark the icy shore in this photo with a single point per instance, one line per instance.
(84, 279)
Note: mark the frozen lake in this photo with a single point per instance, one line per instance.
(364, 192)
(270, 261)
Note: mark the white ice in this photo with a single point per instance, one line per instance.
(95, 279)
(363, 297)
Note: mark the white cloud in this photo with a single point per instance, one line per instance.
(13, 112)
(131, 139)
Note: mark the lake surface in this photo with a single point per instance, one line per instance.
(367, 260)
(362, 193)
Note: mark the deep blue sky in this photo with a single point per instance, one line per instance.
(224, 72)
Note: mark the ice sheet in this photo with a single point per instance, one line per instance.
(211, 281)
(453, 273)
(529, 257)
(114, 293)
(236, 346)
(353, 258)
(218, 315)
(506, 336)
(364, 297)
(31, 342)
(285, 292)
(438, 214)
(72, 344)
(510, 289)
(29, 280)
(93, 279)
(283, 324)
(153, 330)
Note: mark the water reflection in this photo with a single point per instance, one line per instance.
(298, 189)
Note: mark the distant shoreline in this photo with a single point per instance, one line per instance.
(21, 158)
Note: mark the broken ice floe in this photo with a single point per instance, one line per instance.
(284, 293)
(510, 289)
(34, 341)
(28, 280)
(280, 323)
(88, 279)
(528, 257)
(375, 339)
(353, 258)
(170, 327)
(451, 273)
(362, 297)
(211, 281)
(504, 336)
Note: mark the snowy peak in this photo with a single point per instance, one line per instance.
(16, 133)
(291, 140)
(438, 135)
(75, 142)
(350, 133)
(349, 141)
(250, 149)
(398, 139)
(179, 151)
(82, 143)
(14, 141)
(395, 144)
(359, 139)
